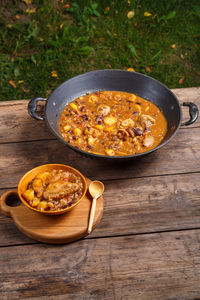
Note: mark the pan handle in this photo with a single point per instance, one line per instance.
(32, 108)
(193, 111)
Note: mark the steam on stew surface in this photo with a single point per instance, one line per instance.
(112, 123)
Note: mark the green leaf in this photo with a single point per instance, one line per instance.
(132, 50)
(85, 50)
(65, 31)
(170, 15)
(73, 8)
(16, 71)
(16, 27)
(94, 9)
(33, 59)
(81, 39)
(157, 55)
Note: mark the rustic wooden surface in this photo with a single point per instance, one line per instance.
(147, 245)
(59, 229)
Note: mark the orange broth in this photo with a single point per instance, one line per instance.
(112, 123)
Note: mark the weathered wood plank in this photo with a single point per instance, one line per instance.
(145, 267)
(135, 206)
(17, 125)
(180, 155)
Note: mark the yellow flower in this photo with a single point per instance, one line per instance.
(54, 74)
(129, 2)
(61, 25)
(181, 80)
(30, 10)
(147, 14)
(131, 69)
(173, 46)
(147, 69)
(131, 14)
(67, 5)
(28, 1)
(20, 81)
(12, 83)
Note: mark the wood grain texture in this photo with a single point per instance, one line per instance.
(180, 155)
(17, 125)
(138, 205)
(152, 267)
(147, 245)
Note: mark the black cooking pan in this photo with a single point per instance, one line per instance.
(114, 80)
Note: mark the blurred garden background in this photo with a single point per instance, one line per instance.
(43, 43)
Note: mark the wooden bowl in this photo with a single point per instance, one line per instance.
(22, 186)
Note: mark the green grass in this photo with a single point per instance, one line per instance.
(72, 37)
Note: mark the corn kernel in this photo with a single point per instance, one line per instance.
(42, 205)
(43, 176)
(132, 98)
(35, 202)
(50, 204)
(77, 131)
(100, 127)
(73, 106)
(147, 108)
(29, 195)
(108, 129)
(138, 107)
(79, 141)
(93, 99)
(37, 184)
(91, 140)
(66, 127)
(86, 131)
(110, 120)
(110, 152)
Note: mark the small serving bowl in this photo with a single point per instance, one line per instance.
(22, 186)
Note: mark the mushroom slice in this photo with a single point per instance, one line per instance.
(148, 141)
(103, 109)
(128, 123)
(147, 120)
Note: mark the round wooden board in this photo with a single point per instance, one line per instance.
(58, 229)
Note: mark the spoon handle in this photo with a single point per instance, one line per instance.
(92, 213)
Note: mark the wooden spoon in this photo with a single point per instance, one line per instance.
(96, 189)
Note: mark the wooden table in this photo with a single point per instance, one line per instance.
(147, 245)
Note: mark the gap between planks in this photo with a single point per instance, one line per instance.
(128, 178)
(105, 237)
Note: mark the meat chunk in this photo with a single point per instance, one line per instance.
(148, 141)
(128, 123)
(147, 120)
(103, 109)
(60, 189)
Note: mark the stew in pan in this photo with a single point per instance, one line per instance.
(112, 123)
